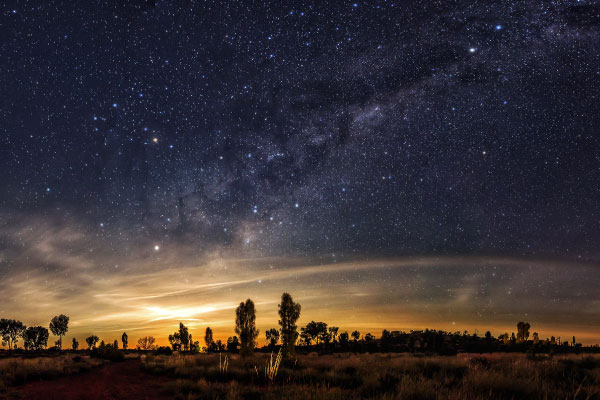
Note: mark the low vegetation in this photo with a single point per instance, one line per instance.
(375, 376)
(18, 370)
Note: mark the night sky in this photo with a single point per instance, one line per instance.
(394, 165)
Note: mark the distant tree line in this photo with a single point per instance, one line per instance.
(314, 336)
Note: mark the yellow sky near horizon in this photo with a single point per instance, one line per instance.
(448, 293)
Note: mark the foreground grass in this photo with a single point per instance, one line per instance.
(377, 376)
(19, 370)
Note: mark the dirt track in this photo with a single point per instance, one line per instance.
(122, 380)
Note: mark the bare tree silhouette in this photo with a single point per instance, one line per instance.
(146, 343)
(75, 344)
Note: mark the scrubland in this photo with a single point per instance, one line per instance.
(380, 376)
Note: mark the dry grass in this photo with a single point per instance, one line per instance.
(273, 366)
(17, 370)
(387, 376)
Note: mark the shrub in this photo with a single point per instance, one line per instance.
(163, 350)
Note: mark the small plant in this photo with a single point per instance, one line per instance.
(273, 366)
(223, 364)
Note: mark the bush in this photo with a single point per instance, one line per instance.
(107, 353)
(163, 351)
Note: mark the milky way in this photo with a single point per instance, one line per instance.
(213, 142)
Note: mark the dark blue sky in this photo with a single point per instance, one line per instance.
(379, 128)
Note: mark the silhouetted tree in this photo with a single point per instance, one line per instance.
(116, 344)
(369, 338)
(386, 339)
(91, 341)
(305, 338)
(180, 340)
(75, 344)
(289, 312)
(323, 335)
(146, 343)
(124, 339)
(208, 339)
(522, 331)
(175, 341)
(11, 330)
(194, 346)
(184, 336)
(317, 331)
(59, 325)
(536, 338)
(333, 332)
(245, 326)
(232, 344)
(355, 336)
(272, 336)
(344, 339)
(35, 338)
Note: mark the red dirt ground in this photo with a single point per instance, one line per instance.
(123, 380)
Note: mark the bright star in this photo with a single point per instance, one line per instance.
(156, 248)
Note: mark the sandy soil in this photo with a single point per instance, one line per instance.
(124, 380)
